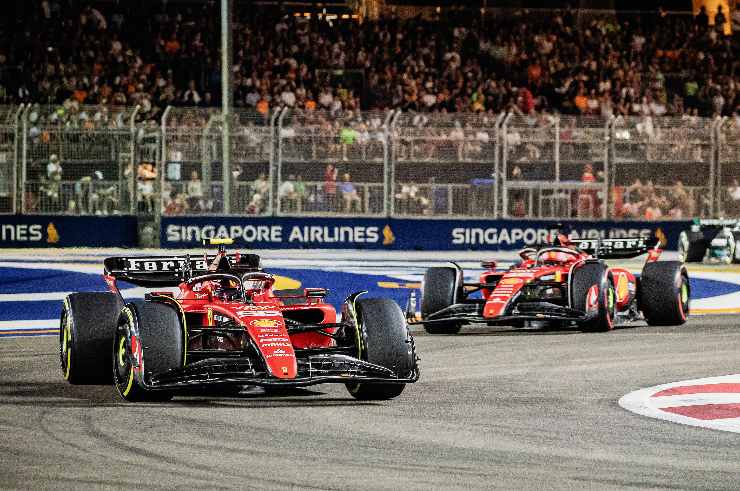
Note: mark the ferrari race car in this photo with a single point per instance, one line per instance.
(226, 326)
(567, 284)
(713, 240)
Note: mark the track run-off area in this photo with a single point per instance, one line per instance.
(494, 408)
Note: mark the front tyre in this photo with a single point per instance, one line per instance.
(592, 292)
(149, 341)
(442, 287)
(87, 327)
(384, 340)
(664, 293)
(692, 247)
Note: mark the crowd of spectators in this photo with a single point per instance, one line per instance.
(88, 60)
(163, 53)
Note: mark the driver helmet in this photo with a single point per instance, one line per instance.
(225, 289)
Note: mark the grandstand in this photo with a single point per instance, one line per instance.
(370, 109)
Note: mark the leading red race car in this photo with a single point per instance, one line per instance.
(226, 325)
(567, 284)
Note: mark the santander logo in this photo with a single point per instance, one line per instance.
(592, 298)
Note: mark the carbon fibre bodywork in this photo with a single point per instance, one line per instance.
(540, 290)
(234, 328)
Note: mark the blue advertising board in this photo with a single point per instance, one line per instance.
(397, 234)
(67, 231)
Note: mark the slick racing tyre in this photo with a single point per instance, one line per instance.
(149, 335)
(664, 292)
(86, 331)
(692, 246)
(592, 291)
(384, 340)
(442, 287)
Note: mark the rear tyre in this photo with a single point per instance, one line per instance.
(692, 246)
(385, 341)
(442, 287)
(664, 293)
(736, 238)
(151, 333)
(592, 291)
(86, 331)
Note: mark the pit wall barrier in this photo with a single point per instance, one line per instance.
(396, 234)
(21, 231)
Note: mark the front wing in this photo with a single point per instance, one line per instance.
(472, 313)
(314, 369)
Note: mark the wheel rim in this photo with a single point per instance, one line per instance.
(124, 373)
(610, 305)
(683, 298)
(66, 345)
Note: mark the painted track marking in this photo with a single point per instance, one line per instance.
(707, 403)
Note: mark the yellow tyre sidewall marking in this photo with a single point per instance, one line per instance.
(68, 342)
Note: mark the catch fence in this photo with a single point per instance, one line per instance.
(96, 160)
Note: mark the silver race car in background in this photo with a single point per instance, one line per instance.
(714, 240)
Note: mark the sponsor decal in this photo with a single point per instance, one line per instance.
(209, 316)
(388, 237)
(264, 323)
(257, 313)
(280, 234)
(622, 286)
(22, 232)
(511, 281)
(592, 298)
(52, 235)
(276, 344)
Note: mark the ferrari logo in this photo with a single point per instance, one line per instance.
(264, 323)
(209, 316)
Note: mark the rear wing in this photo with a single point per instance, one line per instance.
(164, 271)
(617, 248)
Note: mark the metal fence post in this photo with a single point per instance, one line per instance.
(15, 162)
(131, 184)
(387, 174)
(393, 154)
(713, 159)
(206, 155)
(504, 163)
(556, 150)
(163, 159)
(279, 166)
(497, 142)
(608, 186)
(24, 159)
(272, 171)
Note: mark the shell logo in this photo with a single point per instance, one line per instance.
(264, 323)
(622, 287)
(511, 281)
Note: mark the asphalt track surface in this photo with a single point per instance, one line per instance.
(493, 409)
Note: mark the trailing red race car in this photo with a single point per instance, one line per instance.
(568, 284)
(227, 326)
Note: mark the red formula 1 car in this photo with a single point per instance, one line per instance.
(567, 284)
(227, 326)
